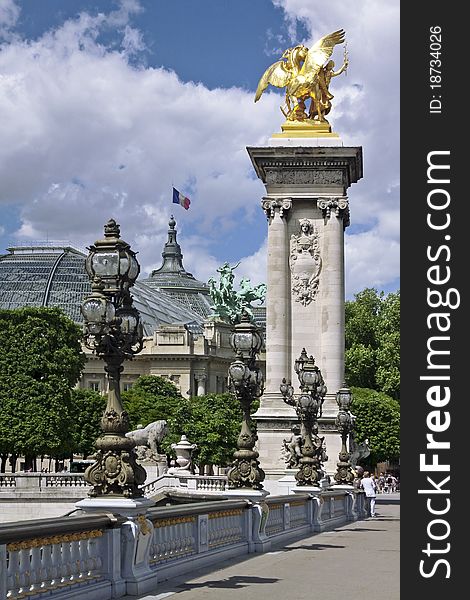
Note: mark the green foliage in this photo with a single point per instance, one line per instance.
(40, 362)
(150, 399)
(88, 408)
(378, 420)
(372, 329)
(213, 422)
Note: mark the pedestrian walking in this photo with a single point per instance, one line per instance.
(381, 483)
(370, 488)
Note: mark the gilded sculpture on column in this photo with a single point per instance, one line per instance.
(306, 75)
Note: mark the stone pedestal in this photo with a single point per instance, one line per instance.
(307, 209)
(136, 538)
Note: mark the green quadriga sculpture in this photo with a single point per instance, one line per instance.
(229, 305)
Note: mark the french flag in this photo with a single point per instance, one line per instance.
(178, 198)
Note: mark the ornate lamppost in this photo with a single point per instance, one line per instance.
(344, 423)
(113, 330)
(246, 382)
(308, 406)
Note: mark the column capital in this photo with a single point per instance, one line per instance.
(339, 205)
(270, 205)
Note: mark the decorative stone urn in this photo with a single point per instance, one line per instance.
(184, 450)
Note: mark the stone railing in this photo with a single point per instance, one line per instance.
(7, 481)
(104, 556)
(37, 481)
(74, 557)
(192, 484)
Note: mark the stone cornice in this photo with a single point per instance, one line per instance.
(314, 159)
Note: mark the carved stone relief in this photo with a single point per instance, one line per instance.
(309, 176)
(305, 262)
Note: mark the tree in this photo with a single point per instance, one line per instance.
(88, 408)
(372, 329)
(150, 399)
(213, 422)
(378, 420)
(388, 352)
(40, 362)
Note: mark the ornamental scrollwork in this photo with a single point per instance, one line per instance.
(271, 204)
(337, 206)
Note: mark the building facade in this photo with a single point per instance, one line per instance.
(181, 342)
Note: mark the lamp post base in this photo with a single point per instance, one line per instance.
(127, 507)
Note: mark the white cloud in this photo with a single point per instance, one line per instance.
(87, 135)
(371, 261)
(366, 113)
(9, 13)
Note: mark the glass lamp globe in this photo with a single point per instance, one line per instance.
(238, 372)
(129, 320)
(256, 378)
(134, 267)
(97, 309)
(112, 260)
(246, 341)
(310, 377)
(299, 362)
(344, 398)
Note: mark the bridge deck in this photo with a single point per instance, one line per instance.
(355, 560)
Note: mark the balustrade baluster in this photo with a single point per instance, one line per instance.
(177, 538)
(46, 566)
(83, 549)
(56, 562)
(75, 559)
(35, 569)
(153, 544)
(189, 539)
(65, 567)
(166, 541)
(13, 573)
(24, 572)
(174, 539)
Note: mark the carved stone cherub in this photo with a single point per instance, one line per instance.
(293, 448)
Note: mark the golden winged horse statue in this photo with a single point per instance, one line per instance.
(306, 75)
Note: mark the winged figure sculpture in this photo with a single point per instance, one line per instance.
(306, 75)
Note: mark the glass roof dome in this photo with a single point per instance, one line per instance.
(54, 275)
(175, 281)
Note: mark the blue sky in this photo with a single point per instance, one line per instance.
(105, 105)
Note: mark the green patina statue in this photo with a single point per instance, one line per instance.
(229, 305)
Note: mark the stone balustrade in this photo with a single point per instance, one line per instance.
(193, 484)
(70, 557)
(103, 556)
(39, 481)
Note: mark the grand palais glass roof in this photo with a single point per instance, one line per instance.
(54, 275)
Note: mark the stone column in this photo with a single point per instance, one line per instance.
(336, 216)
(307, 309)
(277, 304)
(201, 384)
